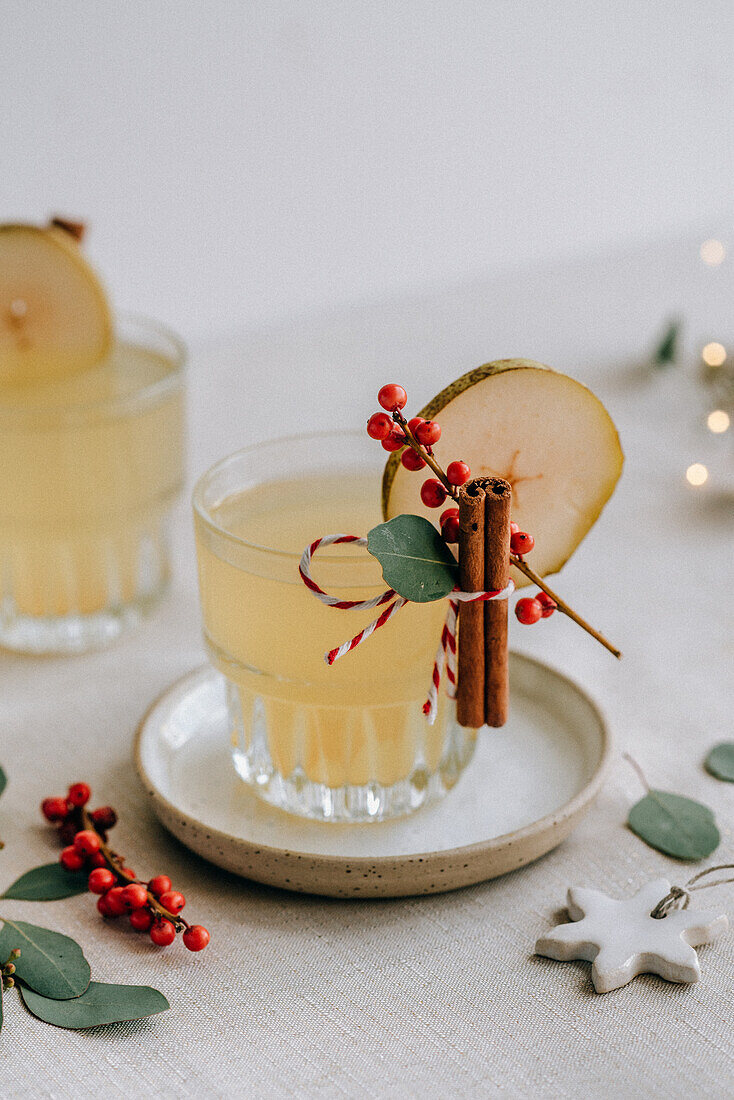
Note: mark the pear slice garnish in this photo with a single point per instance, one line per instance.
(54, 317)
(547, 434)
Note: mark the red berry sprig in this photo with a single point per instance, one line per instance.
(433, 493)
(411, 460)
(153, 906)
(449, 522)
(521, 543)
(530, 609)
(547, 604)
(379, 426)
(392, 397)
(417, 437)
(458, 473)
(427, 433)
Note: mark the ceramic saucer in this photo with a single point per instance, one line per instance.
(526, 788)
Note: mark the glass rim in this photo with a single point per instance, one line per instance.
(146, 394)
(202, 512)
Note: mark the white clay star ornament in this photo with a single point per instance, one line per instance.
(621, 939)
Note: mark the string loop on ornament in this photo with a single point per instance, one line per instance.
(446, 652)
(680, 896)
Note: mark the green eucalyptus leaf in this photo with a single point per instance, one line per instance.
(49, 882)
(3, 780)
(674, 825)
(666, 352)
(50, 963)
(100, 1004)
(720, 761)
(415, 560)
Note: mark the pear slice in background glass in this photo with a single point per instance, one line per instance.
(54, 317)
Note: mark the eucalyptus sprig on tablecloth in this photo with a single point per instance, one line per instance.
(50, 970)
(671, 823)
(3, 785)
(666, 352)
(720, 761)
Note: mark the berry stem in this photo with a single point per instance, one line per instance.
(115, 864)
(636, 767)
(523, 566)
(425, 453)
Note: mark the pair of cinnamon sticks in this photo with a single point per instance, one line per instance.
(484, 564)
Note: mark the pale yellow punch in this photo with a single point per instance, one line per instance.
(91, 450)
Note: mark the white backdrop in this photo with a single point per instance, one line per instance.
(242, 161)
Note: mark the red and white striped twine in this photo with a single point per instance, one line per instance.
(446, 653)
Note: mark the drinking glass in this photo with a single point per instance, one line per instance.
(346, 742)
(90, 467)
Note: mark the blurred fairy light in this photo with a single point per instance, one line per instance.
(713, 354)
(697, 474)
(712, 252)
(718, 421)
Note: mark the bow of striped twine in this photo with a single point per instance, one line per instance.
(446, 652)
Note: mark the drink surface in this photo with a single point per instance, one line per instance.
(356, 721)
(285, 515)
(127, 370)
(89, 464)
(259, 614)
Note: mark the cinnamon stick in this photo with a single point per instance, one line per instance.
(471, 661)
(484, 564)
(497, 501)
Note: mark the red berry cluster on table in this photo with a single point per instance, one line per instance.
(417, 437)
(153, 906)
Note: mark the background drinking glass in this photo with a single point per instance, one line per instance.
(90, 468)
(342, 743)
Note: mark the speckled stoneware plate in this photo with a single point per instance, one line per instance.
(526, 788)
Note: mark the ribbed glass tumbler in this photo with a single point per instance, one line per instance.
(91, 465)
(347, 742)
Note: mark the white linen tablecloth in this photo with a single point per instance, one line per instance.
(439, 996)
